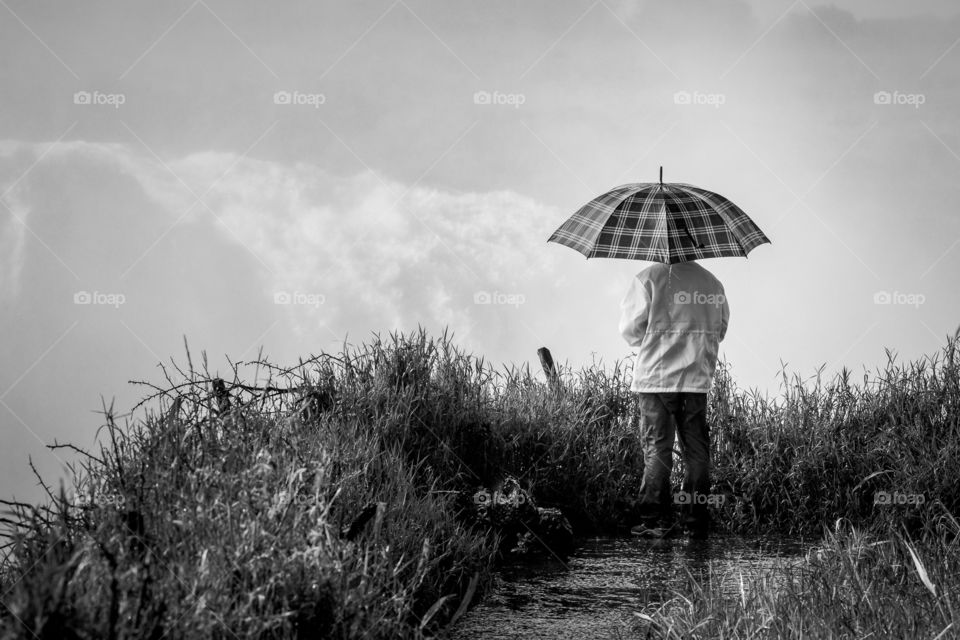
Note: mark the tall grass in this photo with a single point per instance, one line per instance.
(232, 516)
(322, 500)
(870, 466)
(881, 583)
(825, 450)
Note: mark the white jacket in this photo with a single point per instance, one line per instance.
(677, 315)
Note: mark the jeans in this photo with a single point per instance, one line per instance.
(661, 416)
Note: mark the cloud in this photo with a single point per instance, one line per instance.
(360, 251)
(13, 235)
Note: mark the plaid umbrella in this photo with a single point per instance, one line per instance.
(659, 222)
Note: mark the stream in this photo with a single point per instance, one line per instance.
(595, 593)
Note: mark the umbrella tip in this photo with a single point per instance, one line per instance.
(661, 174)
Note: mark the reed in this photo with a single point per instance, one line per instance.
(321, 499)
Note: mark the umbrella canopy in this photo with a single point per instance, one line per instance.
(659, 222)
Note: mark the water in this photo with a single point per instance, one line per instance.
(595, 593)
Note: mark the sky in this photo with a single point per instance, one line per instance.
(295, 176)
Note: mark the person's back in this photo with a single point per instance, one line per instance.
(676, 315)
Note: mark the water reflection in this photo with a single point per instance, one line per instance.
(595, 593)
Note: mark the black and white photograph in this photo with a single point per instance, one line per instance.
(503, 319)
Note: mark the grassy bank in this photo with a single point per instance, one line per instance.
(320, 500)
(872, 467)
(855, 584)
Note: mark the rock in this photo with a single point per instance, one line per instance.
(507, 507)
(555, 531)
(552, 535)
(523, 527)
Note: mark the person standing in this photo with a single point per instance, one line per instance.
(675, 315)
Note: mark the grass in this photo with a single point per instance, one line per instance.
(824, 451)
(872, 467)
(216, 517)
(855, 584)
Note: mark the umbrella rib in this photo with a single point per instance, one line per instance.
(696, 243)
(701, 195)
(666, 226)
(628, 192)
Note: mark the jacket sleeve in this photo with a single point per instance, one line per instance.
(634, 313)
(724, 318)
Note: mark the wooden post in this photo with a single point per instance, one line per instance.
(546, 361)
(222, 395)
(174, 413)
